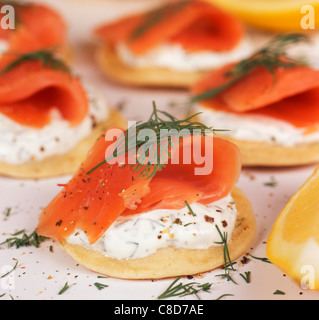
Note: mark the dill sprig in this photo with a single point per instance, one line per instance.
(24, 240)
(228, 264)
(246, 276)
(48, 58)
(190, 209)
(260, 258)
(165, 126)
(272, 56)
(9, 272)
(181, 290)
(156, 16)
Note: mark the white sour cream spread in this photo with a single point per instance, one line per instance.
(21, 144)
(256, 128)
(141, 235)
(174, 57)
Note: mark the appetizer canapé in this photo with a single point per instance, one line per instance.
(36, 27)
(148, 220)
(269, 103)
(48, 119)
(173, 45)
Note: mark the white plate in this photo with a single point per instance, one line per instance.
(41, 273)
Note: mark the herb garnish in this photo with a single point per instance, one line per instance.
(165, 126)
(261, 259)
(66, 287)
(48, 58)
(25, 240)
(246, 276)
(270, 57)
(100, 286)
(228, 264)
(9, 272)
(271, 183)
(190, 209)
(8, 211)
(182, 290)
(279, 292)
(224, 295)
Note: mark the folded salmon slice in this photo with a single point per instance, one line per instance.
(93, 202)
(291, 94)
(36, 27)
(29, 92)
(196, 25)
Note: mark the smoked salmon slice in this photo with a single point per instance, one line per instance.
(196, 25)
(92, 202)
(29, 91)
(36, 27)
(290, 94)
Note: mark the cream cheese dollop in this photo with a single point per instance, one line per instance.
(141, 235)
(256, 128)
(175, 57)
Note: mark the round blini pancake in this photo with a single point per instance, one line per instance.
(263, 154)
(172, 262)
(62, 164)
(266, 155)
(113, 67)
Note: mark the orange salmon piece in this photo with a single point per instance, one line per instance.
(29, 92)
(196, 25)
(93, 202)
(291, 95)
(37, 27)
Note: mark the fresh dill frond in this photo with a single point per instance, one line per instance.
(48, 58)
(9, 272)
(272, 56)
(166, 128)
(228, 263)
(260, 258)
(181, 290)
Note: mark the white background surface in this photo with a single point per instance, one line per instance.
(41, 274)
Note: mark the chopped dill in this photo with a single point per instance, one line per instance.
(190, 209)
(66, 287)
(100, 286)
(181, 290)
(261, 259)
(9, 272)
(228, 264)
(24, 240)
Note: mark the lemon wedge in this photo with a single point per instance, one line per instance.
(272, 15)
(293, 244)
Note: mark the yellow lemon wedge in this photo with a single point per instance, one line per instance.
(293, 244)
(274, 15)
